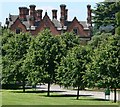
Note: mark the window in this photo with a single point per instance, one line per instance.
(75, 30)
(18, 30)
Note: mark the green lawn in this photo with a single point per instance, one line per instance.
(16, 97)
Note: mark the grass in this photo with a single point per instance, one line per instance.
(0, 98)
(17, 97)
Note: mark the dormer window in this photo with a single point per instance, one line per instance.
(75, 30)
(18, 30)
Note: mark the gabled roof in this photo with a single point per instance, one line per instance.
(18, 20)
(55, 22)
(76, 23)
(12, 19)
(47, 23)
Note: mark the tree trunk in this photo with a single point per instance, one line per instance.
(78, 92)
(114, 95)
(23, 85)
(48, 94)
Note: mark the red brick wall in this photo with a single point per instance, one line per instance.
(76, 24)
(18, 24)
(46, 23)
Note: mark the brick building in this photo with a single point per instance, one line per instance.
(31, 20)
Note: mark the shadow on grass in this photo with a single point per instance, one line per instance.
(67, 95)
(75, 97)
(36, 91)
(92, 99)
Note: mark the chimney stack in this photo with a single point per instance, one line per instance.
(39, 14)
(27, 13)
(32, 14)
(22, 13)
(54, 14)
(62, 19)
(66, 14)
(32, 10)
(89, 15)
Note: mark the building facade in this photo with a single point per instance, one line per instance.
(31, 20)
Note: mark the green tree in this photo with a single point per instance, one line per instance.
(118, 23)
(43, 56)
(104, 69)
(104, 14)
(72, 68)
(69, 40)
(14, 50)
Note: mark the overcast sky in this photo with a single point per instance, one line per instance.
(75, 7)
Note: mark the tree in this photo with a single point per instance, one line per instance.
(69, 40)
(104, 15)
(72, 68)
(43, 56)
(104, 68)
(14, 50)
(118, 23)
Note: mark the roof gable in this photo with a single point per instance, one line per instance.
(18, 23)
(75, 24)
(47, 23)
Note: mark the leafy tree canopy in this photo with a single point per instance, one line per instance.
(104, 15)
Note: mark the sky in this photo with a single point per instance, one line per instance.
(76, 8)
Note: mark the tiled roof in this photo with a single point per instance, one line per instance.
(84, 23)
(26, 23)
(57, 23)
(12, 19)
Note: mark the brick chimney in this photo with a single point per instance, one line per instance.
(22, 13)
(89, 15)
(62, 18)
(32, 14)
(32, 10)
(66, 14)
(54, 14)
(27, 13)
(39, 14)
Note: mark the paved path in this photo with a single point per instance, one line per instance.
(63, 91)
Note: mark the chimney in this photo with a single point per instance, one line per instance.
(32, 14)
(39, 14)
(66, 14)
(89, 15)
(22, 13)
(54, 14)
(27, 13)
(62, 19)
(7, 22)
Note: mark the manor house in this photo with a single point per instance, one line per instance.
(32, 20)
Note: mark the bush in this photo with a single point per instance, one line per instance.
(117, 30)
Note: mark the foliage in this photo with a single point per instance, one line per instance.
(118, 18)
(104, 14)
(97, 40)
(14, 49)
(45, 55)
(118, 23)
(72, 68)
(117, 30)
(69, 40)
(103, 70)
(60, 59)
